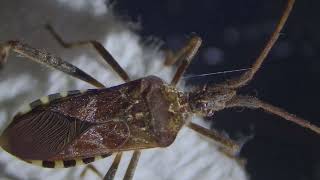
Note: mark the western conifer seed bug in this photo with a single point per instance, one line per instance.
(78, 127)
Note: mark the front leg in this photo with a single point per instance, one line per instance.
(230, 147)
(226, 145)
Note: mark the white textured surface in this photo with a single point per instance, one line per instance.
(190, 157)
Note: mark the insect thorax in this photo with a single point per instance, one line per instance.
(170, 109)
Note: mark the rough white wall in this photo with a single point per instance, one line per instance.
(21, 81)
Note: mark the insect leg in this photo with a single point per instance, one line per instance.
(232, 148)
(185, 55)
(98, 47)
(132, 165)
(172, 57)
(247, 76)
(43, 57)
(90, 167)
(114, 167)
(255, 103)
(227, 146)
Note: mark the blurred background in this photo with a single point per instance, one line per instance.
(233, 32)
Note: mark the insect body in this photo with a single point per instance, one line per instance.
(141, 114)
(76, 127)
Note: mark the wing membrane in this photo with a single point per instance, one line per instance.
(42, 134)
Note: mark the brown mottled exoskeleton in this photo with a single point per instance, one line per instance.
(78, 127)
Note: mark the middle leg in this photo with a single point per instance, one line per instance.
(114, 167)
(132, 165)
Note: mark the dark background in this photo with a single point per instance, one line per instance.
(234, 32)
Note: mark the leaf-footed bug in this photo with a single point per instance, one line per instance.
(140, 114)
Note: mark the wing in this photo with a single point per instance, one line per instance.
(42, 134)
(81, 124)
